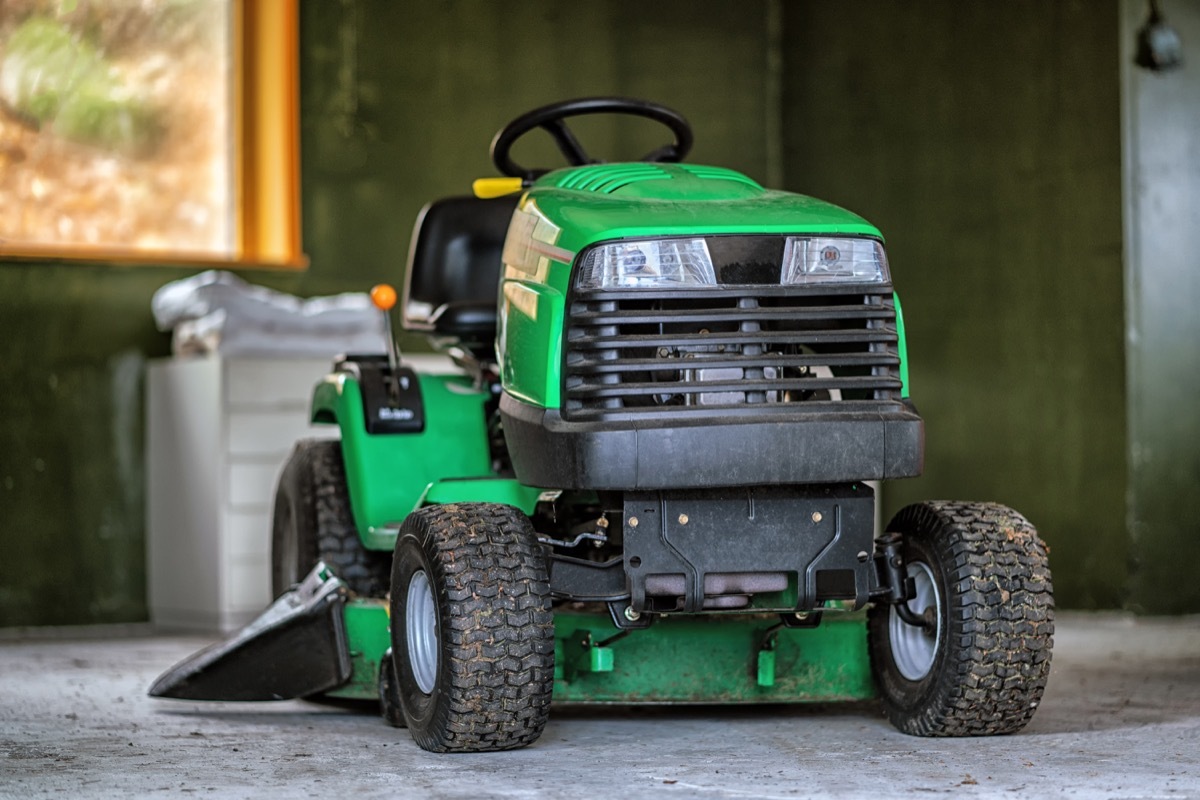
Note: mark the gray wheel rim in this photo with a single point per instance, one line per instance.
(420, 628)
(914, 648)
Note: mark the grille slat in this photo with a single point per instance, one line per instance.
(633, 365)
(742, 385)
(620, 341)
(757, 349)
(716, 316)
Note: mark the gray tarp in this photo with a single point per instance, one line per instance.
(218, 312)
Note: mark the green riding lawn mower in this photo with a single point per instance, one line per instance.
(649, 478)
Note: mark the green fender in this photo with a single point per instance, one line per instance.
(390, 475)
(482, 490)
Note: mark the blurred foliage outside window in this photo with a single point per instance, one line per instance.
(117, 127)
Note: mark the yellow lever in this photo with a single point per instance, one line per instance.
(487, 188)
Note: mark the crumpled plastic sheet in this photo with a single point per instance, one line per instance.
(219, 312)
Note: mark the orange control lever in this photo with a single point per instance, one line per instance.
(384, 297)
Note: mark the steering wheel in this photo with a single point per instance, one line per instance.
(552, 118)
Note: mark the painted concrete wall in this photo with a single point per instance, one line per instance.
(983, 139)
(1161, 122)
(401, 100)
(399, 104)
(73, 342)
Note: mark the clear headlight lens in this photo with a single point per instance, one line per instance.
(827, 260)
(674, 263)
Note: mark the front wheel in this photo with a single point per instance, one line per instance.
(978, 666)
(472, 628)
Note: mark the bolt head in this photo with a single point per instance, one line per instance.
(633, 522)
(631, 615)
(683, 519)
(817, 516)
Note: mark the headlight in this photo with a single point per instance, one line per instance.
(674, 263)
(824, 260)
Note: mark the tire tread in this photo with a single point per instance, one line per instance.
(315, 479)
(1001, 621)
(498, 628)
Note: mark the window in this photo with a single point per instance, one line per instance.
(150, 130)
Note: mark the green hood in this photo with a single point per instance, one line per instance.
(613, 201)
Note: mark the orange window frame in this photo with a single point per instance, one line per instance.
(268, 140)
(266, 154)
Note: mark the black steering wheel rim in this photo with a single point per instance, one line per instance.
(551, 119)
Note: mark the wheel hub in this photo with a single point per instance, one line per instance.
(914, 647)
(420, 627)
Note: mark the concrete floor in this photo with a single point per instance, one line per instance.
(1121, 719)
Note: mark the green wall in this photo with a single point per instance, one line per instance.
(401, 100)
(73, 345)
(399, 103)
(984, 140)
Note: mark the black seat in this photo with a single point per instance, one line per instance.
(454, 266)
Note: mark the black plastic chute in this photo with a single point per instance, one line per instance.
(296, 648)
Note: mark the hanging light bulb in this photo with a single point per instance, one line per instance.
(1159, 47)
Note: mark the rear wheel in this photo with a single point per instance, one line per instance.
(472, 629)
(313, 522)
(389, 691)
(982, 582)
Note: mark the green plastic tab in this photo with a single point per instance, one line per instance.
(600, 659)
(766, 667)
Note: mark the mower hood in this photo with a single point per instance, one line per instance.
(613, 201)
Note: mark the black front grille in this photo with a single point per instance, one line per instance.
(746, 348)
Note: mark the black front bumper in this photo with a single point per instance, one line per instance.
(828, 442)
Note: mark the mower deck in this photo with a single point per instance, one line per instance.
(709, 659)
(317, 641)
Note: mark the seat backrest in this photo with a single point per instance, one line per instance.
(454, 266)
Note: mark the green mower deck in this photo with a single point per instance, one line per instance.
(680, 660)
